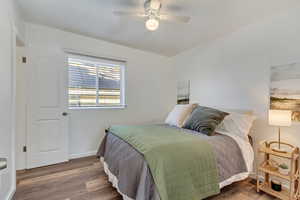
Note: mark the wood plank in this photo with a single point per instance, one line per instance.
(41, 171)
(85, 179)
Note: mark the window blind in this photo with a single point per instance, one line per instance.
(95, 82)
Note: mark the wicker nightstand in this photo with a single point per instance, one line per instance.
(265, 168)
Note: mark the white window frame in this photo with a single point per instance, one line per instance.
(103, 60)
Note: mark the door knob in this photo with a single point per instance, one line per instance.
(3, 163)
(64, 114)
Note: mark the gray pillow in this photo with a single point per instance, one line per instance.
(204, 120)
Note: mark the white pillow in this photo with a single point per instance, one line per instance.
(179, 114)
(237, 124)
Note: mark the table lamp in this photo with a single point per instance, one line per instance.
(280, 118)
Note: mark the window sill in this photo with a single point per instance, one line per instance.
(98, 108)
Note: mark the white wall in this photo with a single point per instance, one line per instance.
(234, 71)
(150, 88)
(5, 99)
(10, 26)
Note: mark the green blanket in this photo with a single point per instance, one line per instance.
(183, 166)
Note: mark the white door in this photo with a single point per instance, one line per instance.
(47, 134)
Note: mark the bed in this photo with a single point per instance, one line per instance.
(130, 174)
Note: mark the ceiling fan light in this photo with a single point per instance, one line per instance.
(152, 24)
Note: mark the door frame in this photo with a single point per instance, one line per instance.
(16, 40)
(13, 104)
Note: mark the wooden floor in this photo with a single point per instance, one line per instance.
(84, 179)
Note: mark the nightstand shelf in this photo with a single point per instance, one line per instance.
(267, 169)
(265, 147)
(291, 193)
(284, 194)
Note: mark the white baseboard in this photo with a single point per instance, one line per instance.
(73, 156)
(81, 155)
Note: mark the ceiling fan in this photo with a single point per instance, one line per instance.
(153, 16)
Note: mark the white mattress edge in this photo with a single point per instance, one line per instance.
(113, 179)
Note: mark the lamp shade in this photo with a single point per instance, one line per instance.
(280, 117)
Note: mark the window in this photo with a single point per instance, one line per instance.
(95, 82)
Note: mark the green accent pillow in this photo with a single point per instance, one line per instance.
(205, 120)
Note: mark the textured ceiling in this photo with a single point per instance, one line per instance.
(210, 19)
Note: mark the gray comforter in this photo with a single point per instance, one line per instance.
(134, 176)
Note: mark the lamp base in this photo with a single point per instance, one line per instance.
(278, 149)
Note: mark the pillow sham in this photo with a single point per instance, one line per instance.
(179, 114)
(205, 120)
(237, 124)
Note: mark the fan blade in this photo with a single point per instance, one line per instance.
(180, 19)
(129, 14)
